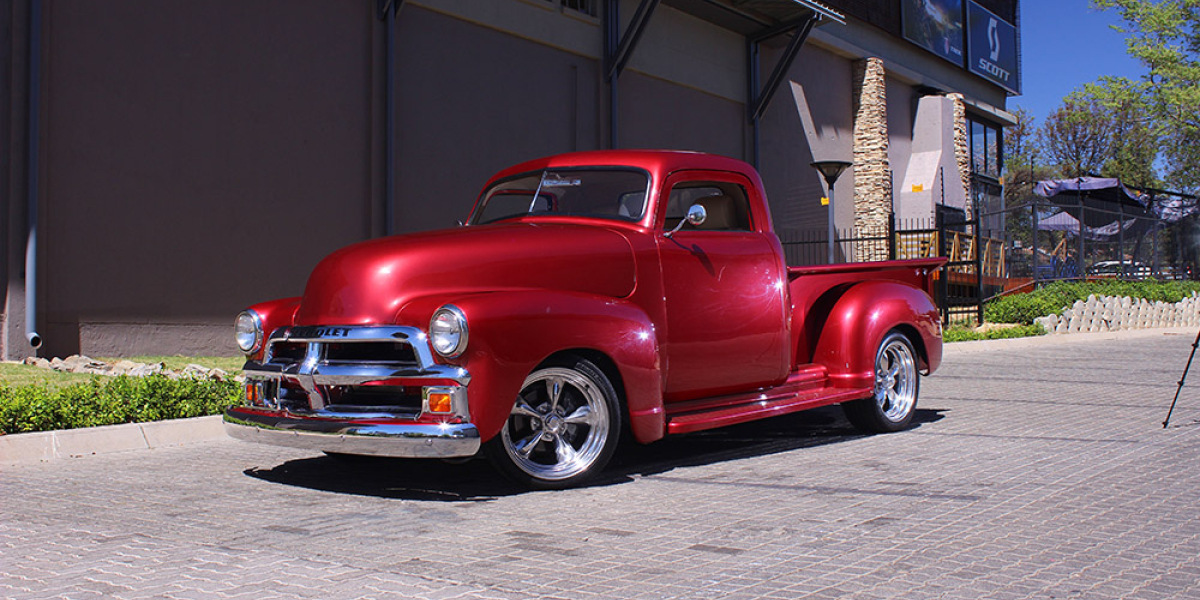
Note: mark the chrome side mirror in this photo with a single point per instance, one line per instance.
(696, 215)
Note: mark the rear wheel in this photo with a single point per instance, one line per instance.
(894, 399)
(562, 429)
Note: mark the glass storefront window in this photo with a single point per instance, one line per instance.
(986, 148)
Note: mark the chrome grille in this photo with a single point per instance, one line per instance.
(307, 350)
(393, 353)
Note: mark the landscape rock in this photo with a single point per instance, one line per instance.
(87, 365)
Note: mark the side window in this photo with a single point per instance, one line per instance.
(726, 205)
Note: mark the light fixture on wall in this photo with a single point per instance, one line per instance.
(830, 170)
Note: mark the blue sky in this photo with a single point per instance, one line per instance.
(1065, 44)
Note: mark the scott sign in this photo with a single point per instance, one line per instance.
(992, 48)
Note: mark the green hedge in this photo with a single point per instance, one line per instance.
(1024, 308)
(966, 334)
(105, 401)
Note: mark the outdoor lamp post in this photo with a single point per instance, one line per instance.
(830, 170)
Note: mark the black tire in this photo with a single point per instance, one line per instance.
(563, 427)
(897, 384)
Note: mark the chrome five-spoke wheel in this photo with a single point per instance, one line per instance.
(894, 398)
(562, 428)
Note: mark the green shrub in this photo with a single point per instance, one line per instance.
(121, 399)
(1024, 308)
(965, 334)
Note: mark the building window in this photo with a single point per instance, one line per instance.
(986, 157)
(987, 161)
(587, 7)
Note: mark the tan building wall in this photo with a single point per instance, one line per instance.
(199, 157)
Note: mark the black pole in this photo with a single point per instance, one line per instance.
(1182, 379)
(1080, 273)
(1033, 268)
(389, 184)
(891, 244)
(611, 43)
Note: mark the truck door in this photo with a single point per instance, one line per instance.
(725, 288)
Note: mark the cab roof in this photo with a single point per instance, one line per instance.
(659, 163)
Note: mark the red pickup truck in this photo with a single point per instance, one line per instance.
(589, 297)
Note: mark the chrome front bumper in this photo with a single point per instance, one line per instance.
(294, 400)
(352, 436)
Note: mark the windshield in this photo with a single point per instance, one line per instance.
(604, 193)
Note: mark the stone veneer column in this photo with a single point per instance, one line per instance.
(872, 171)
(962, 153)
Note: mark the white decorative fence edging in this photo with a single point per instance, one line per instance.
(1115, 313)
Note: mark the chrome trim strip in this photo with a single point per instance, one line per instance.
(353, 437)
(327, 374)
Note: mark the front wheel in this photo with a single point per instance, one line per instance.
(894, 399)
(563, 427)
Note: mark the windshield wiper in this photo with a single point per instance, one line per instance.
(536, 193)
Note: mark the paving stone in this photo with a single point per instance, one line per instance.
(1034, 470)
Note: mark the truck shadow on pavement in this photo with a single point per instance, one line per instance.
(475, 479)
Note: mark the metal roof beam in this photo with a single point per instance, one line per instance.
(802, 27)
(617, 61)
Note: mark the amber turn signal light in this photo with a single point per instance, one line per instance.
(253, 394)
(439, 402)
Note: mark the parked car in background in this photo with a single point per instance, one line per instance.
(1115, 268)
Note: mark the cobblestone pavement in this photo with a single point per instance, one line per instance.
(1035, 471)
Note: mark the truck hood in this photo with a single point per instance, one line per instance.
(369, 282)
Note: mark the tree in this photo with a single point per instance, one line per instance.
(1164, 35)
(1023, 169)
(1102, 129)
(1134, 140)
(1076, 139)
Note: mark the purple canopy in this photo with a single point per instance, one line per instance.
(1099, 189)
(1065, 222)
(1104, 194)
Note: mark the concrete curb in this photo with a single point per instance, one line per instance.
(1053, 339)
(73, 443)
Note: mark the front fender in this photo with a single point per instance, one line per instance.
(860, 319)
(511, 333)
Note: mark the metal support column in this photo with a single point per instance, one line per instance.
(387, 11)
(758, 99)
(618, 49)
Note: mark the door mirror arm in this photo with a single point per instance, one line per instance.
(696, 215)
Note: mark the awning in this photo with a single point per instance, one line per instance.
(1107, 199)
(749, 17)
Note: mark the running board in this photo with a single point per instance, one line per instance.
(759, 405)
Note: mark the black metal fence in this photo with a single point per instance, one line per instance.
(985, 261)
(973, 260)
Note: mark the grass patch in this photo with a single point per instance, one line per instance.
(15, 375)
(1050, 299)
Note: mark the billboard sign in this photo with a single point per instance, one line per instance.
(935, 25)
(992, 48)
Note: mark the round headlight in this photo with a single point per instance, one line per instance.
(247, 331)
(448, 331)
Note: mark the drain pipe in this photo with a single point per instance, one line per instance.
(35, 84)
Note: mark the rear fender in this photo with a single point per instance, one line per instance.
(511, 333)
(861, 318)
